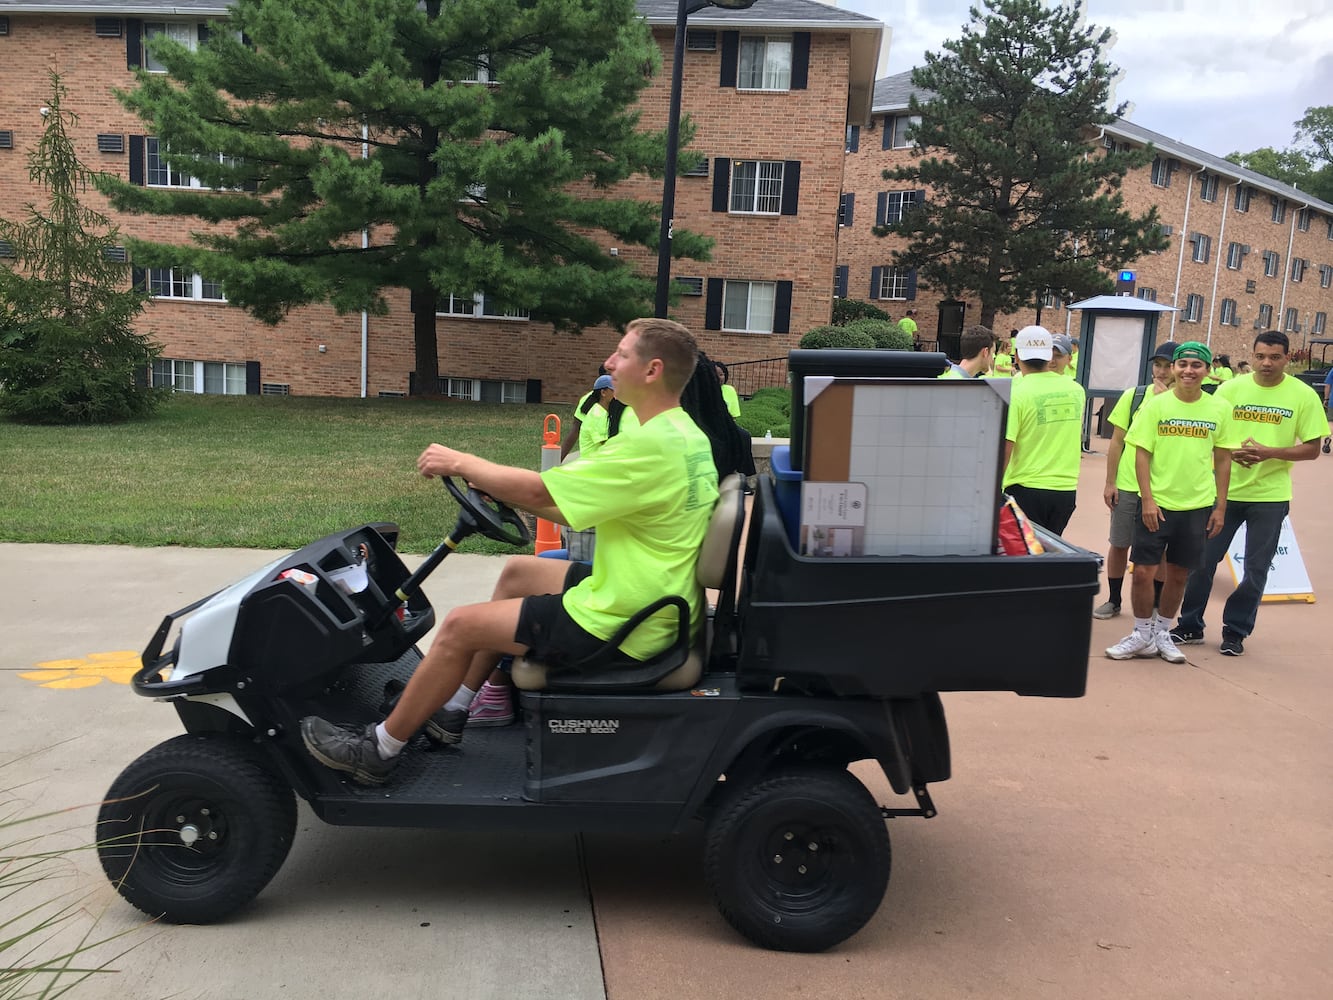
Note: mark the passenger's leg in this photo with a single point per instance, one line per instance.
(522, 576)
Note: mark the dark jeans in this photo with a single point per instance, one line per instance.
(1263, 524)
(1052, 509)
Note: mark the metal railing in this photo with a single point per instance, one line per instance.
(750, 376)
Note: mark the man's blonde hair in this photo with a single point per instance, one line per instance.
(672, 344)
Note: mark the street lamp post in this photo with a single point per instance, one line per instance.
(683, 10)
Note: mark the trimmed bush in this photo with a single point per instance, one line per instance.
(826, 337)
(884, 335)
(849, 310)
(767, 411)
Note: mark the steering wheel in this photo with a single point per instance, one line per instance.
(485, 516)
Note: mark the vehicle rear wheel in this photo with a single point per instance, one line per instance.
(798, 860)
(195, 828)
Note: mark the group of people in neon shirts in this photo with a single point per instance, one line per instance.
(1064, 360)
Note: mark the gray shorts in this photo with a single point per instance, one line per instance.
(1124, 515)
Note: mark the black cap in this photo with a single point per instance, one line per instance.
(1166, 351)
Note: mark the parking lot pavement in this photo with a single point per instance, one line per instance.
(1166, 836)
(352, 912)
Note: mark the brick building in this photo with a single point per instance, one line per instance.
(1246, 253)
(771, 90)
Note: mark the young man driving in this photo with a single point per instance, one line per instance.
(650, 495)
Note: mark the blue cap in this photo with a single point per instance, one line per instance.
(603, 382)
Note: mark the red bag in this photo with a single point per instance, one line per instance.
(1016, 535)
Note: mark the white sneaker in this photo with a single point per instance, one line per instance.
(1166, 647)
(1135, 644)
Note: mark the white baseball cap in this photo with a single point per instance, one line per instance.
(1033, 343)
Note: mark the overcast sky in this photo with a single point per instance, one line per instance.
(1219, 75)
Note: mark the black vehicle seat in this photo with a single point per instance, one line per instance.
(677, 668)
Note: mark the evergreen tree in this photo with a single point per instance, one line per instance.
(68, 349)
(1018, 200)
(476, 141)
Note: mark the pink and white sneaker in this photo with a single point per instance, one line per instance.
(493, 706)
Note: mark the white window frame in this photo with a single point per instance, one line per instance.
(1160, 172)
(179, 285)
(1228, 313)
(1325, 275)
(155, 162)
(474, 306)
(762, 187)
(1235, 256)
(767, 73)
(1291, 320)
(1208, 185)
(1303, 217)
(1265, 320)
(481, 73)
(1271, 263)
(1202, 245)
(897, 205)
(899, 126)
(1298, 266)
(194, 376)
(1243, 196)
(1320, 321)
(754, 321)
(893, 283)
(1050, 299)
(1193, 308)
(1147, 294)
(1279, 209)
(185, 32)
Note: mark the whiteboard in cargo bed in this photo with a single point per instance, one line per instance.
(927, 452)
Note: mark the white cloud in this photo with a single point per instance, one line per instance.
(1219, 75)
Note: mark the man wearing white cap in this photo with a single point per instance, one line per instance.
(1044, 435)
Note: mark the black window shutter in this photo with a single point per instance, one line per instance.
(142, 377)
(850, 204)
(136, 160)
(713, 305)
(791, 186)
(252, 386)
(782, 308)
(138, 279)
(203, 34)
(721, 183)
(800, 60)
(411, 300)
(133, 43)
(853, 138)
(876, 279)
(881, 207)
(888, 132)
(840, 281)
(911, 284)
(534, 390)
(731, 57)
(920, 197)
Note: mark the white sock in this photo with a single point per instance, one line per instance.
(1144, 625)
(1165, 624)
(388, 746)
(461, 701)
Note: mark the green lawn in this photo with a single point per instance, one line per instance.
(252, 471)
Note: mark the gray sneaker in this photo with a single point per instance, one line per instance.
(446, 726)
(348, 749)
(1107, 610)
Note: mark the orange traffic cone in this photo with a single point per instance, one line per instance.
(548, 532)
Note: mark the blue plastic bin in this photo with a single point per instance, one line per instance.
(787, 489)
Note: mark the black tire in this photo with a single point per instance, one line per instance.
(799, 860)
(195, 828)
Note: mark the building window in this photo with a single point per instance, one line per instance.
(897, 204)
(1161, 172)
(1298, 266)
(896, 128)
(748, 306)
(1208, 187)
(1330, 227)
(1303, 217)
(1147, 294)
(216, 378)
(1279, 208)
(846, 209)
(1228, 317)
(479, 72)
(1051, 299)
(1265, 320)
(161, 173)
(481, 390)
(479, 304)
(853, 140)
(1236, 255)
(1271, 260)
(756, 187)
(1203, 244)
(1320, 320)
(1325, 275)
(893, 283)
(1193, 308)
(1289, 321)
(178, 283)
(1243, 194)
(765, 63)
(184, 32)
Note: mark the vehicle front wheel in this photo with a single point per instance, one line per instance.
(195, 828)
(799, 860)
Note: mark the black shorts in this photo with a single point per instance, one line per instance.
(544, 626)
(1181, 534)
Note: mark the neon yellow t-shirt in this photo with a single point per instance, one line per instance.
(908, 326)
(1004, 361)
(1072, 370)
(1181, 438)
(732, 400)
(1286, 414)
(649, 494)
(1125, 480)
(593, 428)
(1046, 426)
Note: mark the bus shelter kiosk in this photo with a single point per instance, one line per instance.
(1116, 338)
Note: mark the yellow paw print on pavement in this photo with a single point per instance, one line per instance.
(117, 667)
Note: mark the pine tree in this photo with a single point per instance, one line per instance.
(68, 349)
(476, 140)
(1019, 201)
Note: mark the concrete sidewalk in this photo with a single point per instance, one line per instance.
(1169, 835)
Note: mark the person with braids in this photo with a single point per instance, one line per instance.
(598, 416)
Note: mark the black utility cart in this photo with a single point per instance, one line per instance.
(809, 664)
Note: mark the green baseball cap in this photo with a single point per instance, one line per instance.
(1193, 349)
